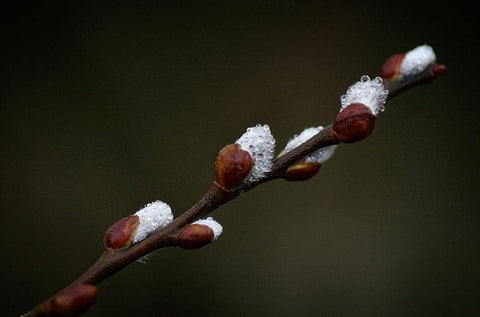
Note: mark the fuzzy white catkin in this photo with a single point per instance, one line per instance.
(259, 142)
(153, 216)
(212, 224)
(369, 92)
(417, 60)
(318, 156)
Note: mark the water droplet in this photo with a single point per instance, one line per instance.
(378, 81)
(364, 78)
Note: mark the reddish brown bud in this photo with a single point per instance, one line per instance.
(121, 233)
(391, 68)
(301, 171)
(354, 123)
(195, 236)
(439, 70)
(232, 166)
(72, 301)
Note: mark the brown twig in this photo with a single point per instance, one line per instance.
(112, 261)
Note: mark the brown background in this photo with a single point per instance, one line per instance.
(106, 108)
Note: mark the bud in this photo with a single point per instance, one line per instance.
(199, 234)
(120, 235)
(362, 102)
(439, 70)
(232, 166)
(391, 68)
(301, 171)
(354, 123)
(72, 301)
(194, 237)
(406, 65)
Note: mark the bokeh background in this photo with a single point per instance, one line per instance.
(105, 108)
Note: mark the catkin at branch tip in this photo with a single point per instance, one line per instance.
(417, 60)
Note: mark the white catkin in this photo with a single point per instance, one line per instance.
(318, 156)
(260, 143)
(417, 60)
(369, 92)
(153, 216)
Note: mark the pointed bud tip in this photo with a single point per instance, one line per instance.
(195, 236)
(439, 70)
(354, 123)
(72, 301)
(232, 166)
(301, 171)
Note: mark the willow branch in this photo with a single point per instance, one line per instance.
(113, 260)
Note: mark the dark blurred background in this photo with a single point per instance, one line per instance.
(105, 108)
